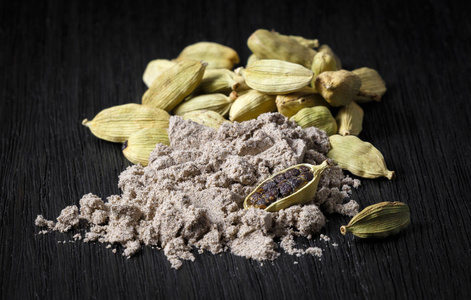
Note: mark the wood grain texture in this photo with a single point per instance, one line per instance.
(62, 61)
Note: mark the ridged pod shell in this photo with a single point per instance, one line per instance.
(206, 117)
(338, 87)
(288, 105)
(359, 157)
(379, 220)
(273, 76)
(174, 84)
(155, 68)
(140, 144)
(271, 45)
(219, 103)
(318, 116)
(117, 123)
(216, 55)
(350, 119)
(372, 85)
(301, 196)
(250, 105)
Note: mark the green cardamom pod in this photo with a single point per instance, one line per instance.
(372, 85)
(322, 62)
(379, 220)
(350, 119)
(252, 58)
(219, 103)
(174, 84)
(359, 157)
(140, 144)
(216, 55)
(327, 50)
(155, 68)
(250, 105)
(317, 116)
(305, 42)
(219, 81)
(117, 123)
(288, 105)
(206, 117)
(273, 76)
(338, 87)
(271, 45)
(294, 185)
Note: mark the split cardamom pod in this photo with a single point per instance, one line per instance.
(294, 185)
(174, 84)
(317, 116)
(359, 157)
(350, 119)
(219, 81)
(155, 68)
(327, 50)
(206, 117)
(379, 220)
(273, 76)
(117, 123)
(140, 144)
(288, 105)
(219, 103)
(338, 87)
(216, 55)
(271, 45)
(372, 85)
(250, 105)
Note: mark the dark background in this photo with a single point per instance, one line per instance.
(62, 61)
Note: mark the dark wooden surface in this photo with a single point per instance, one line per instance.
(62, 61)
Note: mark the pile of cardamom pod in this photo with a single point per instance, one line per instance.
(293, 75)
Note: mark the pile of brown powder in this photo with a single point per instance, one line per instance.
(191, 194)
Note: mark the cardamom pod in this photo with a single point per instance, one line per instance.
(338, 87)
(252, 58)
(317, 116)
(359, 157)
(174, 84)
(294, 185)
(350, 119)
(372, 85)
(140, 144)
(322, 62)
(271, 45)
(155, 68)
(273, 76)
(288, 105)
(250, 105)
(379, 220)
(327, 50)
(206, 117)
(216, 55)
(117, 123)
(219, 81)
(305, 42)
(219, 103)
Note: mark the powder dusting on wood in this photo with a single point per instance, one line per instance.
(191, 194)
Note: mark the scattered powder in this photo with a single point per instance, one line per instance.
(325, 237)
(191, 194)
(42, 222)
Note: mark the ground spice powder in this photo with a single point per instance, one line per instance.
(191, 194)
